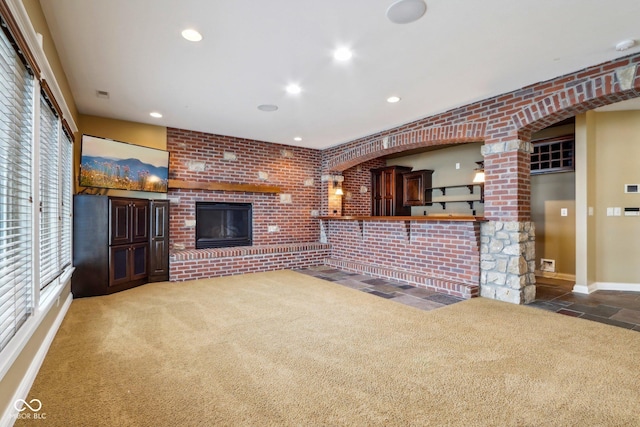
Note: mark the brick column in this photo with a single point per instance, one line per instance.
(507, 252)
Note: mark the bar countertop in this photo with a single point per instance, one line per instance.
(466, 218)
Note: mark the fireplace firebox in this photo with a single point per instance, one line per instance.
(220, 225)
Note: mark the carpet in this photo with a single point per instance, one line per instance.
(283, 348)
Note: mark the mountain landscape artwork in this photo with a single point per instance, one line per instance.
(118, 165)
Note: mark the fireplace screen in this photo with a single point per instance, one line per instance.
(220, 225)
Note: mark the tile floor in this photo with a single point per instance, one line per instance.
(615, 308)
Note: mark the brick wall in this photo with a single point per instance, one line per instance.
(444, 255)
(355, 202)
(505, 119)
(204, 263)
(197, 156)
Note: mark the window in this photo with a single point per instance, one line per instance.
(35, 192)
(16, 210)
(49, 196)
(553, 155)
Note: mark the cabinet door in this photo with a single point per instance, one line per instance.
(128, 263)
(376, 193)
(119, 265)
(139, 221)
(119, 221)
(388, 192)
(159, 241)
(415, 187)
(138, 261)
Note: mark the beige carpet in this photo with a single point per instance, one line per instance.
(282, 348)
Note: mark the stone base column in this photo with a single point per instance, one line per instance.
(507, 261)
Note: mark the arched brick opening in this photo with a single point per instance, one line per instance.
(505, 123)
(384, 144)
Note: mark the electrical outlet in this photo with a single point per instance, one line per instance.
(273, 229)
(457, 165)
(617, 211)
(609, 211)
(564, 212)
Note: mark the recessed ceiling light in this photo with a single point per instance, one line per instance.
(267, 107)
(406, 11)
(342, 54)
(297, 138)
(191, 35)
(155, 114)
(393, 99)
(625, 44)
(293, 89)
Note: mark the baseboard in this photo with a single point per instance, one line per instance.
(9, 417)
(560, 276)
(606, 286)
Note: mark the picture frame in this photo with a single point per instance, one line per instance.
(105, 163)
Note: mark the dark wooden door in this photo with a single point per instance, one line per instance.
(119, 265)
(140, 221)
(376, 193)
(388, 195)
(159, 241)
(120, 221)
(138, 261)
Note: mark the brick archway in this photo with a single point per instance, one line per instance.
(505, 123)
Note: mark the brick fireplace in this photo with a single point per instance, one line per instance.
(285, 232)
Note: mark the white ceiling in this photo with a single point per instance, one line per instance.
(460, 51)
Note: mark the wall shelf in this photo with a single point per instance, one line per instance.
(222, 186)
(470, 187)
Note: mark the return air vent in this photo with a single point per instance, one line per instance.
(103, 94)
(632, 188)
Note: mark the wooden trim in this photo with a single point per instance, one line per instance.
(14, 30)
(223, 186)
(50, 98)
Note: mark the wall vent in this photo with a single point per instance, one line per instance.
(632, 188)
(548, 265)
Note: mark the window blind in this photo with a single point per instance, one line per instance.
(66, 166)
(16, 118)
(50, 197)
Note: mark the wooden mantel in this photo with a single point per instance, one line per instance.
(223, 186)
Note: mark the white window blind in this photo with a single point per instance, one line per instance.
(50, 197)
(66, 166)
(16, 118)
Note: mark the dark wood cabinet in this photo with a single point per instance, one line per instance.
(387, 191)
(112, 244)
(417, 187)
(159, 241)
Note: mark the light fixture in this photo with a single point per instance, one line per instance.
(297, 138)
(625, 44)
(191, 35)
(155, 114)
(406, 11)
(479, 177)
(293, 89)
(342, 54)
(338, 188)
(393, 99)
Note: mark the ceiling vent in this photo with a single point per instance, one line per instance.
(102, 94)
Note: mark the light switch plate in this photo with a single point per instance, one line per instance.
(609, 211)
(617, 211)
